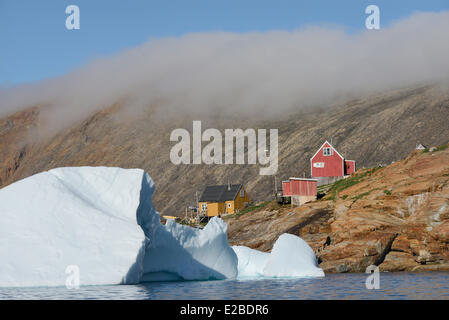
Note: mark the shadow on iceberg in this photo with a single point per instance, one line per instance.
(174, 252)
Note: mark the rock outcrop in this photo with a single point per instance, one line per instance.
(396, 217)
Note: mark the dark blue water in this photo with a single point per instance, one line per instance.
(430, 285)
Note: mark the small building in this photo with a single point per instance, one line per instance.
(327, 165)
(223, 199)
(164, 219)
(170, 217)
(419, 146)
(349, 167)
(301, 190)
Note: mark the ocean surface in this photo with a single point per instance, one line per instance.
(430, 285)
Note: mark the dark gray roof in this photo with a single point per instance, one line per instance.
(220, 193)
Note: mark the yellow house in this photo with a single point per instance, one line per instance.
(218, 200)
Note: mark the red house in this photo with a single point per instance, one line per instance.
(328, 165)
(301, 190)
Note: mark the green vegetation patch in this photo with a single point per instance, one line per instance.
(249, 209)
(343, 184)
(360, 196)
(439, 148)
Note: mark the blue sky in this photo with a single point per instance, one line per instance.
(35, 44)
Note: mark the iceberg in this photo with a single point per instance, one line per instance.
(250, 262)
(291, 256)
(190, 254)
(101, 220)
(83, 217)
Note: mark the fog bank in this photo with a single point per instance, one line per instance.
(248, 73)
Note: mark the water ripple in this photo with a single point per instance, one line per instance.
(431, 285)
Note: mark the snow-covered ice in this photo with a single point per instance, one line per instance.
(102, 220)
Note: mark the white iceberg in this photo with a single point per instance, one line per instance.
(182, 252)
(291, 256)
(70, 216)
(89, 217)
(250, 262)
(102, 221)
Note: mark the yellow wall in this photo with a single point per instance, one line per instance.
(213, 208)
(231, 209)
(239, 202)
(218, 208)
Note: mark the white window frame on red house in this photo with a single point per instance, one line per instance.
(329, 151)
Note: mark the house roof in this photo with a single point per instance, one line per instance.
(220, 193)
(420, 146)
(323, 146)
(303, 179)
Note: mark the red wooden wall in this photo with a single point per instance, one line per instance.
(333, 164)
(299, 187)
(286, 191)
(350, 166)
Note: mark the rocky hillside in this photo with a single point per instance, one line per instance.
(396, 217)
(372, 130)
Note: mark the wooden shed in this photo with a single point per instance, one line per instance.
(301, 190)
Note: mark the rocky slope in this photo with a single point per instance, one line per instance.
(372, 130)
(396, 217)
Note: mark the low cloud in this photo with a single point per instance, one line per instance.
(249, 73)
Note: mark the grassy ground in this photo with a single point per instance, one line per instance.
(343, 184)
(248, 209)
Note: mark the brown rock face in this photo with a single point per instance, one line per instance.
(14, 141)
(398, 261)
(396, 217)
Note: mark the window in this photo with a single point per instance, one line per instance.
(204, 206)
(242, 193)
(229, 205)
(318, 165)
(327, 151)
